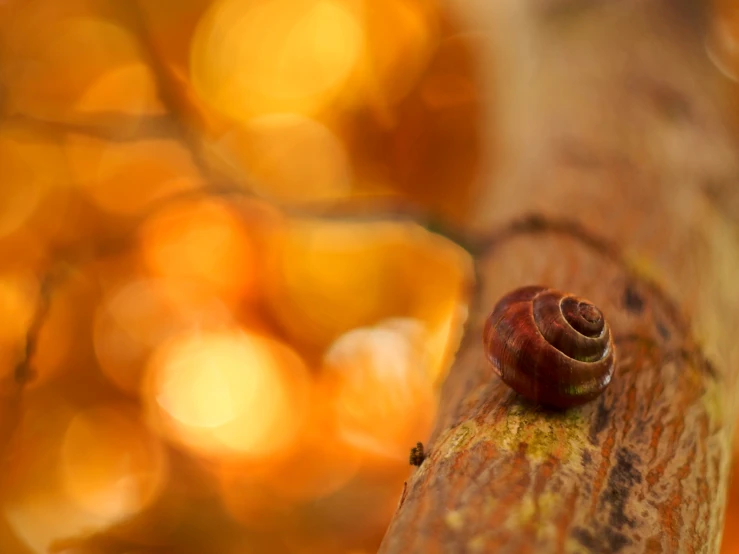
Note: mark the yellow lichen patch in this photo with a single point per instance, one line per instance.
(644, 267)
(545, 434)
(533, 511)
(526, 511)
(714, 403)
(461, 437)
(454, 520)
(476, 544)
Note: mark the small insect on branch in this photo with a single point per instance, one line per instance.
(417, 455)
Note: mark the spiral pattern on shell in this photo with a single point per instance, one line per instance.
(553, 348)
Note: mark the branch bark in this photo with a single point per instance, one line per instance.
(618, 141)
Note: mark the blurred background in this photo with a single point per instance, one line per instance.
(213, 219)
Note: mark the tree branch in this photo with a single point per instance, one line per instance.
(616, 121)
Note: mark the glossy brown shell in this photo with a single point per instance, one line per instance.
(553, 348)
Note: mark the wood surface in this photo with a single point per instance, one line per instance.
(617, 181)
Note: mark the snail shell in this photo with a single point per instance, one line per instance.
(553, 348)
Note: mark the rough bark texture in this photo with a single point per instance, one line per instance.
(619, 185)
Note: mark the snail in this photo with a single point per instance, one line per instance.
(551, 347)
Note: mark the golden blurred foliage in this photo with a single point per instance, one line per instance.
(427, 147)
(296, 55)
(287, 158)
(211, 324)
(74, 470)
(387, 102)
(203, 242)
(127, 178)
(64, 60)
(328, 277)
(215, 339)
(138, 316)
(383, 378)
(229, 393)
(110, 463)
(63, 338)
(33, 167)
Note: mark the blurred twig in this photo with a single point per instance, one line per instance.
(109, 126)
(24, 372)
